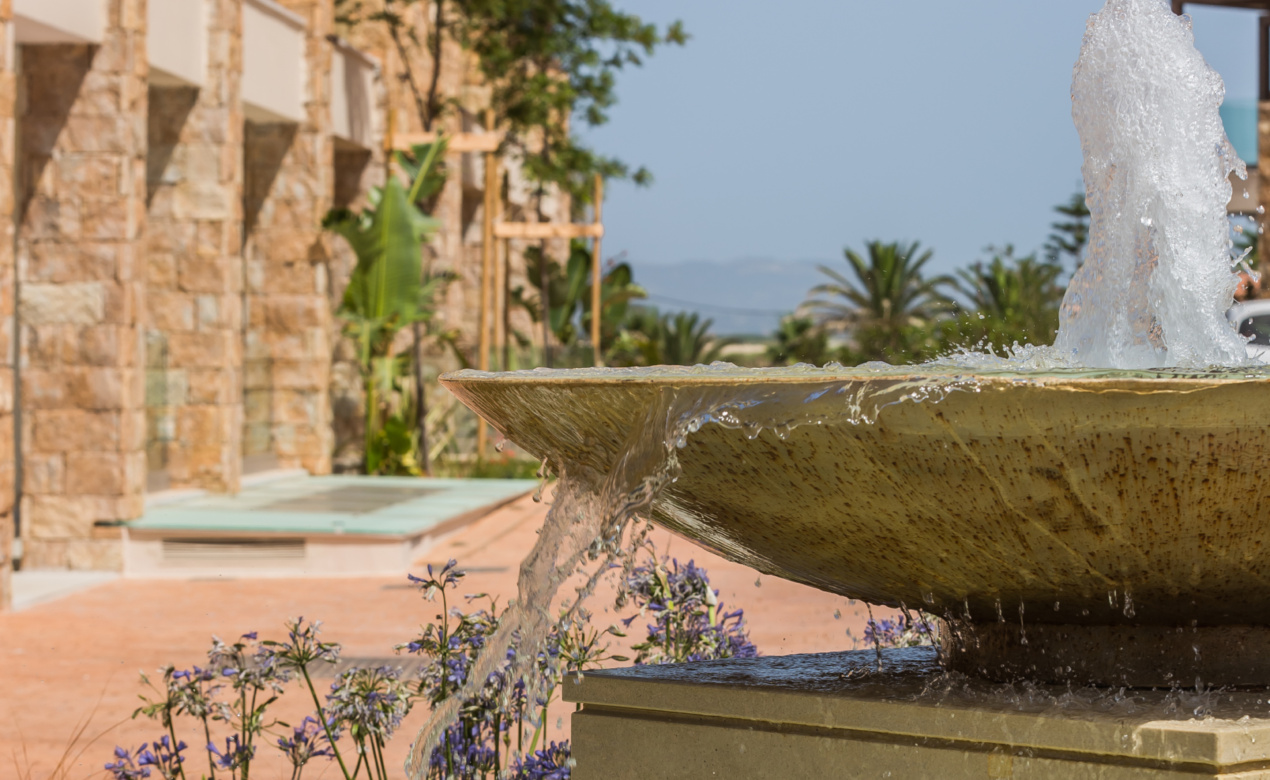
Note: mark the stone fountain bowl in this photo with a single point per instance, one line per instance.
(1107, 528)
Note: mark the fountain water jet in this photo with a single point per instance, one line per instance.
(1120, 510)
(1157, 282)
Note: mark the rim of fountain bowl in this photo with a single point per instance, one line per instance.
(716, 373)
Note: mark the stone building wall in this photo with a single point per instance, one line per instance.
(174, 291)
(194, 270)
(8, 466)
(82, 140)
(289, 188)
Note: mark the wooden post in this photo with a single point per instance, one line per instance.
(597, 261)
(500, 308)
(507, 309)
(487, 281)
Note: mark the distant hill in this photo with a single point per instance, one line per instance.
(743, 297)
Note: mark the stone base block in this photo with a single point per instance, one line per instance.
(158, 555)
(836, 715)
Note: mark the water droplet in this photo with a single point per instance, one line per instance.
(837, 614)
(758, 582)
(500, 445)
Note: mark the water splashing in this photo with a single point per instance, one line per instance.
(1158, 280)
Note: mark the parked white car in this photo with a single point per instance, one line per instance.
(1253, 321)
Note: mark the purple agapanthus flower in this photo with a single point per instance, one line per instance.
(552, 763)
(308, 741)
(128, 766)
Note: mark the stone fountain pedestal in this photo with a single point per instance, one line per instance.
(834, 715)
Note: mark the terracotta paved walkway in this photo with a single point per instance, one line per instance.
(79, 657)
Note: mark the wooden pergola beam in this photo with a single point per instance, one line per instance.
(457, 143)
(1254, 5)
(542, 231)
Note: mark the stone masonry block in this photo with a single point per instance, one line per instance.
(82, 303)
(44, 474)
(51, 344)
(213, 386)
(299, 376)
(202, 274)
(87, 176)
(95, 473)
(73, 430)
(297, 407)
(99, 345)
(94, 555)
(97, 134)
(160, 271)
(295, 314)
(51, 219)
(171, 311)
(132, 430)
(40, 554)
(97, 389)
(58, 517)
(61, 263)
(199, 424)
(202, 349)
(121, 301)
(209, 312)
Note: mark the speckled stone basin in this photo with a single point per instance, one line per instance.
(1109, 499)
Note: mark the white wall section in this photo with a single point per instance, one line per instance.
(273, 63)
(176, 41)
(60, 21)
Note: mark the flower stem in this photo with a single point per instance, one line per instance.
(207, 734)
(172, 733)
(304, 669)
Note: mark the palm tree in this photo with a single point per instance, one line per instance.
(1011, 299)
(649, 338)
(887, 305)
(799, 340)
(686, 340)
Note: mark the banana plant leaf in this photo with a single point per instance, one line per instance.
(386, 290)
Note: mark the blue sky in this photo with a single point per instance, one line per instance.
(786, 131)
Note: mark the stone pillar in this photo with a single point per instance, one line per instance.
(356, 172)
(287, 349)
(8, 454)
(81, 300)
(194, 270)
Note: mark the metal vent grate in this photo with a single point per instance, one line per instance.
(349, 499)
(238, 552)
